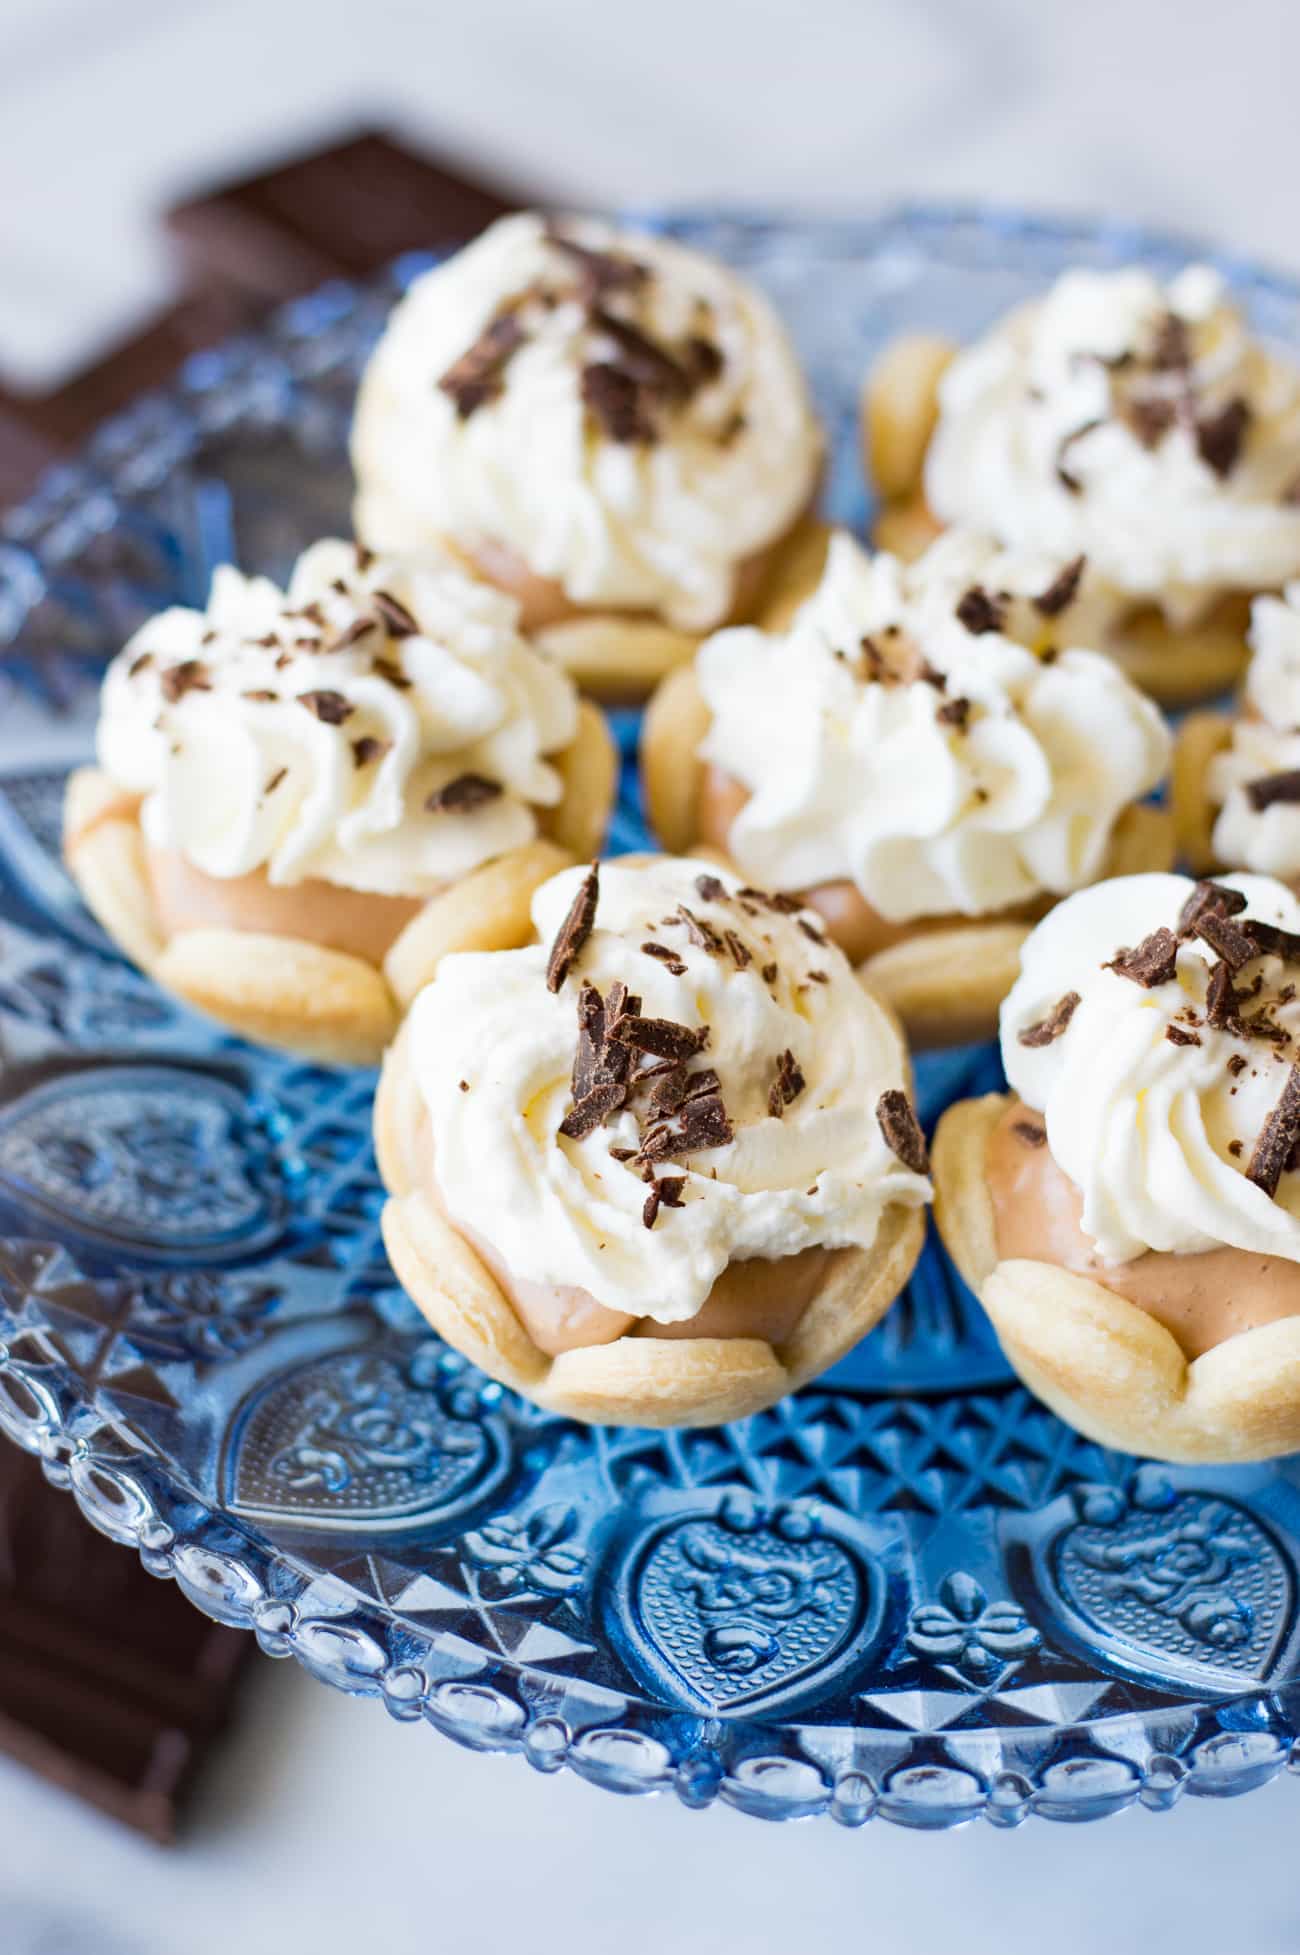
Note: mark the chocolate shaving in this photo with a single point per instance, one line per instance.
(601, 272)
(368, 748)
(701, 934)
(387, 668)
(1062, 591)
(331, 708)
(1179, 1035)
(1277, 1137)
(1222, 1004)
(476, 377)
(1237, 1064)
(704, 1123)
(769, 973)
(979, 612)
(880, 669)
(954, 713)
(1150, 416)
(662, 1036)
(1208, 899)
(902, 1131)
(575, 929)
(395, 615)
(191, 675)
(1171, 349)
(1150, 963)
(260, 694)
(463, 795)
(592, 1109)
(1051, 1027)
(711, 889)
(787, 1086)
(613, 397)
(670, 1089)
(1267, 789)
(1064, 476)
(1030, 1132)
(1271, 940)
(643, 359)
(776, 901)
(1260, 1025)
(1228, 939)
(810, 930)
(651, 1206)
(351, 634)
(599, 1059)
(704, 361)
(1219, 437)
(741, 954)
(666, 955)
(275, 780)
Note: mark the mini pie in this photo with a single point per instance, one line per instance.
(304, 799)
(1140, 426)
(659, 1166)
(1237, 778)
(925, 758)
(1129, 1214)
(612, 427)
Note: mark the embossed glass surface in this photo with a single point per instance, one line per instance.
(908, 1591)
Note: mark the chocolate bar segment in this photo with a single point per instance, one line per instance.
(112, 1685)
(343, 212)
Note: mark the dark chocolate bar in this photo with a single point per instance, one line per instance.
(112, 1684)
(342, 213)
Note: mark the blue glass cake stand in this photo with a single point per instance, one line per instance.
(906, 1592)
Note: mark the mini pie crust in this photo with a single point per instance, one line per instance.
(944, 984)
(636, 1381)
(327, 1004)
(1098, 1361)
(621, 658)
(900, 408)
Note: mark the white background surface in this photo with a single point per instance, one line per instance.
(325, 1827)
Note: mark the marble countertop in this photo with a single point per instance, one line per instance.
(324, 1826)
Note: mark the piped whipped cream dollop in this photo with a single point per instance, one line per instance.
(1137, 422)
(920, 731)
(626, 415)
(1255, 779)
(380, 724)
(1168, 1079)
(762, 1136)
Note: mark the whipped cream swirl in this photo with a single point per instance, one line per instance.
(568, 1211)
(1139, 423)
(564, 469)
(1153, 1108)
(304, 733)
(1258, 824)
(899, 735)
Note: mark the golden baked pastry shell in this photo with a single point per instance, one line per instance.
(1099, 1362)
(302, 997)
(637, 1381)
(945, 985)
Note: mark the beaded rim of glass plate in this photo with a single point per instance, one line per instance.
(774, 1771)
